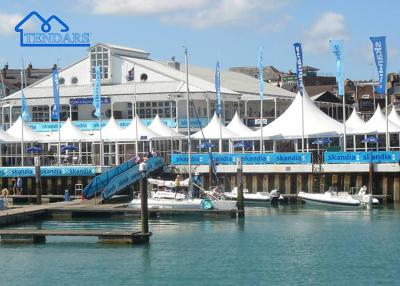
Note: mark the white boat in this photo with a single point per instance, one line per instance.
(339, 199)
(173, 200)
(249, 197)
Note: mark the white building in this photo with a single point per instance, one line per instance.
(129, 75)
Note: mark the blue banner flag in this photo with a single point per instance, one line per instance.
(337, 50)
(96, 94)
(299, 66)
(261, 72)
(26, 116)
(380, 55)
(55, 110)
(218, 89)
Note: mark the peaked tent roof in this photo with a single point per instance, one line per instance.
(394, 117)
(111, 131)
(377, 124)
(143, 133)
(289, 124)
(5, 137)
(237, 126)
(20, 129)
(354, 121)
(69, 133)
(160, 128)
(213, 130)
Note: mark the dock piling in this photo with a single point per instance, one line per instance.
(143, 199)
(38, 181)
(240, 198)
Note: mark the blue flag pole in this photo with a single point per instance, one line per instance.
(380, 56)
(261, 80)
(55, 111)
(97, 106)
(299, 70)
(219, 105)
(337, 50)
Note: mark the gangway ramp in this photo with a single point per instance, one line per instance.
(116, 179)
(130, 176)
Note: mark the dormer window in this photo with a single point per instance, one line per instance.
(100, 56)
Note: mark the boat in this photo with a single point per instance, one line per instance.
(258, 197)
(339, 199)
(172, 200)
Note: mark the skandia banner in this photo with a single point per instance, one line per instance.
(337, 50)
(25, 115)
(261, 72)
(299, 66)
(361, 157)
(218, 89)
(380, 55)
(96, 93)
(55, 109)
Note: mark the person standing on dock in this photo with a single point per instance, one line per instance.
(19, 186)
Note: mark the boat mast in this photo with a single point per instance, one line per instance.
(188, 124)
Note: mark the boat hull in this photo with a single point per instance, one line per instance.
(187, 204)
(325, 200)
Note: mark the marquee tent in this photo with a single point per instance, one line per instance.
(141, 133)
(112, 131)
(6, 138)
(69, 133)
(237, 126)
(377, 124)
(160, 128)
(289, 124)
(22, 131)
(394, 117)
(354, 121)
(215, 129)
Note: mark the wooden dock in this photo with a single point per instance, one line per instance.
(104, 236)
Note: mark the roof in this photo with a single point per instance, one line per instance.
(325, 96)
(160, 128)
(122, 48)
(236, 125)
(69, 133)
(239, 82)
(136, 130)
(24, 132)
(377, 124)
(215, 129)
(354, 121)
(289, 124)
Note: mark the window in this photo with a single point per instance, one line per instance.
(61, 80)
(143, 77)
(99, 56)
(397, 88)
(74, 80)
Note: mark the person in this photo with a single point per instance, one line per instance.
(148, 154)
(19, 186)
(178, 183)
(154, 152)
(14, 185)
(196, 184)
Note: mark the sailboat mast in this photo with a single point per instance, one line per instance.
(188, 123)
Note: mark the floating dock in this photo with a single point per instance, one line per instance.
(104, 236)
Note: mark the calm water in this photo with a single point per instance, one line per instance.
(292, 245)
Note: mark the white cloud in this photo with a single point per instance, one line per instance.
(8, 23)
(328, 26)
(199, 14)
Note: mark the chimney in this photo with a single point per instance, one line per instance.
(30, 66)
(174, 64)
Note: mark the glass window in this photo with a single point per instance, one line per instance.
(99, 56)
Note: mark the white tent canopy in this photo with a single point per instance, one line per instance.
(377, 124)
(6, 138)
(394, 117)
(237, 126)
(112, 131)
(289, 124)
(215, 129)
(21, 130)
(160, 128)
(141, 133)
(354, 121)
(69, 133)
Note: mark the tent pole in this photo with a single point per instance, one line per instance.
(261, 126)
(387, 123)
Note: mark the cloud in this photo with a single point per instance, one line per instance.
(328, 26)
(8, 22)
(276, 25)
(199, 14)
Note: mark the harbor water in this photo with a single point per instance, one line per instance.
(289, 245)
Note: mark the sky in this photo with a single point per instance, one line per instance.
(228, 31)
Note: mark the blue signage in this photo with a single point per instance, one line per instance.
(54, 171)
(299, 66)
(45, 36)
(361, 157)
(380, 56)
(247, 159)
(88, 100)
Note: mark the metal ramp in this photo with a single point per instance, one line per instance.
(117, 178)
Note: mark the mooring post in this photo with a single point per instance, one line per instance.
(240, 198)
(370, 176)
(38, 183)
(143, 198)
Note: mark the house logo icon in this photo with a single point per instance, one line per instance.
(53, 32)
